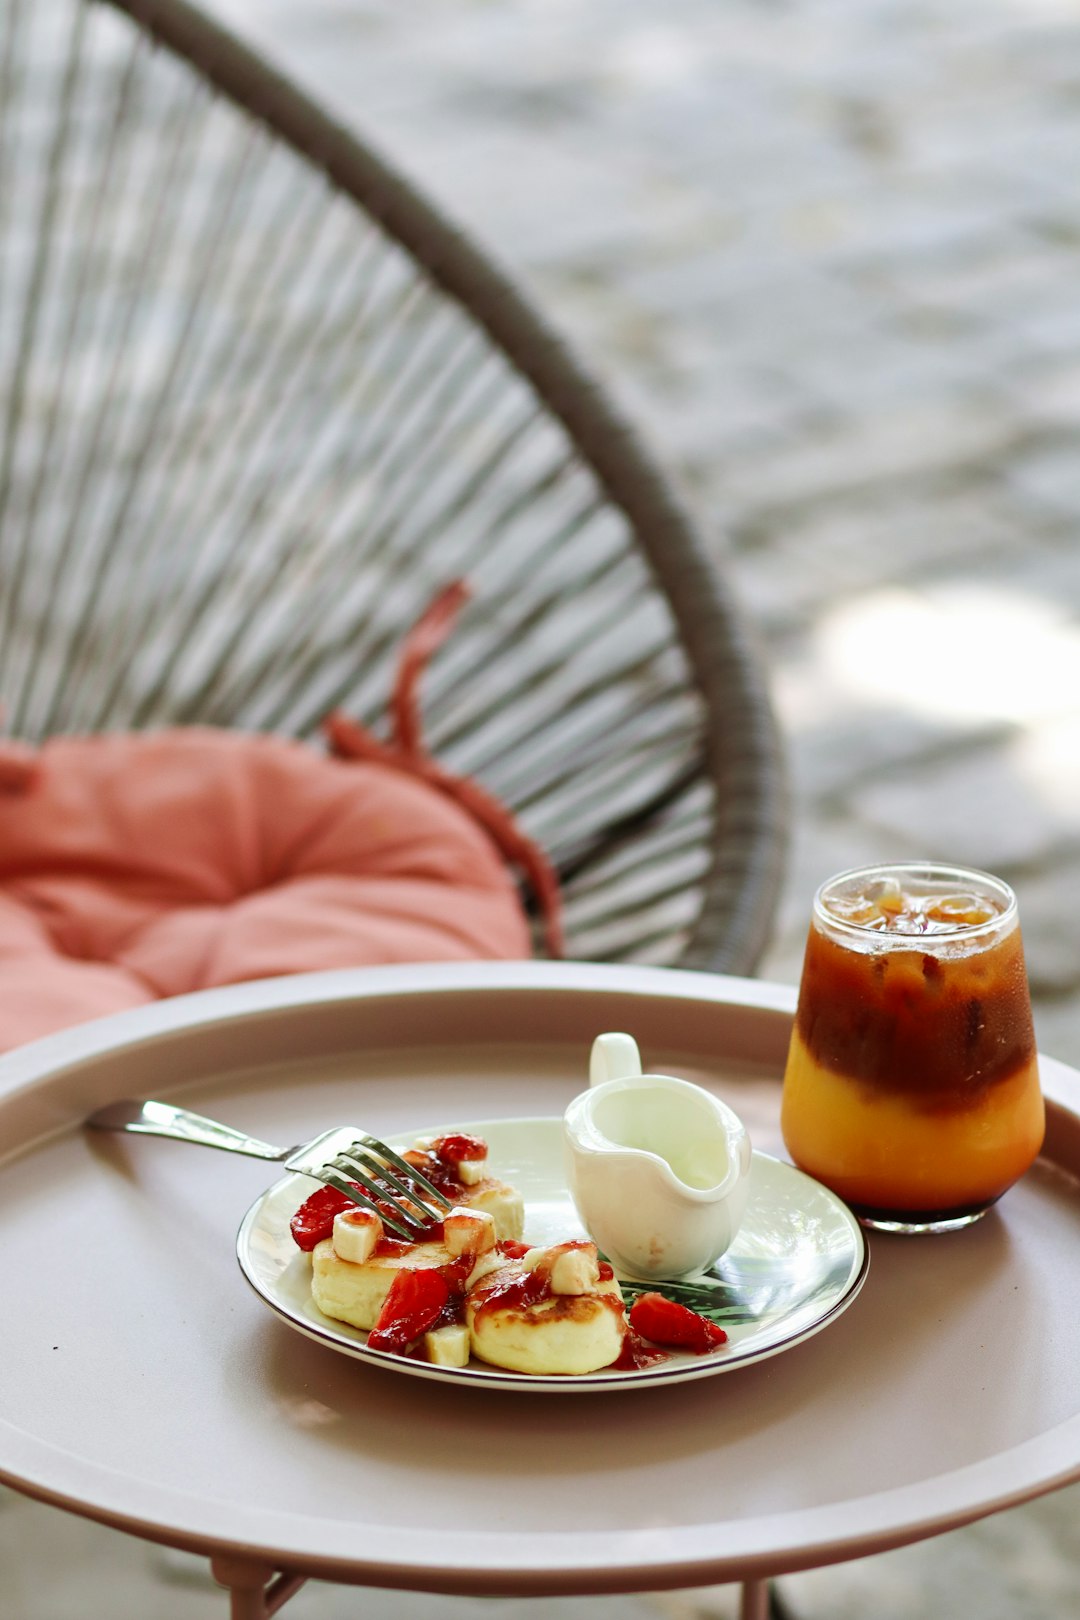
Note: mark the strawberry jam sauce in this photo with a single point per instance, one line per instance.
(314, 1220)
(514, 1289)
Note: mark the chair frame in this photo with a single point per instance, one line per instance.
(741, 754)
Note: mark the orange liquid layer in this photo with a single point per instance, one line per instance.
(882, 1150)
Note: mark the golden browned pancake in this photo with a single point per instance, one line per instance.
(354, 1293)
(554, 1334)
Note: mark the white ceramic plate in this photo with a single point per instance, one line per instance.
(798, 1261)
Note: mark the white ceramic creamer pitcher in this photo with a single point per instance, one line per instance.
(658, 1168)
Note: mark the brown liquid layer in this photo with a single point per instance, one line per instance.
(938, 1029)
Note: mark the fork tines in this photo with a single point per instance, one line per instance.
(406, 1202)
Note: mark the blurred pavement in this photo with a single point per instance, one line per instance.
(827, 255)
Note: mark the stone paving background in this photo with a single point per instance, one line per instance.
(827, 255)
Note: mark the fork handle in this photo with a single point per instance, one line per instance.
(162, 1119)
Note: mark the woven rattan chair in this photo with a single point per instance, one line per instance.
(259, 403)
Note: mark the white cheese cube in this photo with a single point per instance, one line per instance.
(575, 1270)
(485, 1265)
(356, 1234)
(468, 1231)
(448, 1346)
(533, 1258)
(470, 1171)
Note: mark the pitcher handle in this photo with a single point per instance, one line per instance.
(613, 1057)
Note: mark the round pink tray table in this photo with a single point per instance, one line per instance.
(145, 1385)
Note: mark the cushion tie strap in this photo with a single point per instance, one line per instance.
(18, 765)
(405, 751)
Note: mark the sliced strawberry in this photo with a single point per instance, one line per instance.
(314, 1220)
(664, 1322)
(416, 1300)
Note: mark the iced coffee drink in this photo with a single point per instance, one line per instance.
(912, 1085)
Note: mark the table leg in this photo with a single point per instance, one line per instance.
(256, 1591)
(754, 1602)
(760, 1600)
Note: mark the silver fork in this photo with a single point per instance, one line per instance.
(358, 1165)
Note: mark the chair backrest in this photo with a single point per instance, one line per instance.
(259, 402)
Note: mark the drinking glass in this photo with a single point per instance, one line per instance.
(912, 1083)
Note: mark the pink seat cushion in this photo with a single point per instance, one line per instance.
(134, 867)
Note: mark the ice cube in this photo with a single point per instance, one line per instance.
(961, 911)
(887, 896)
